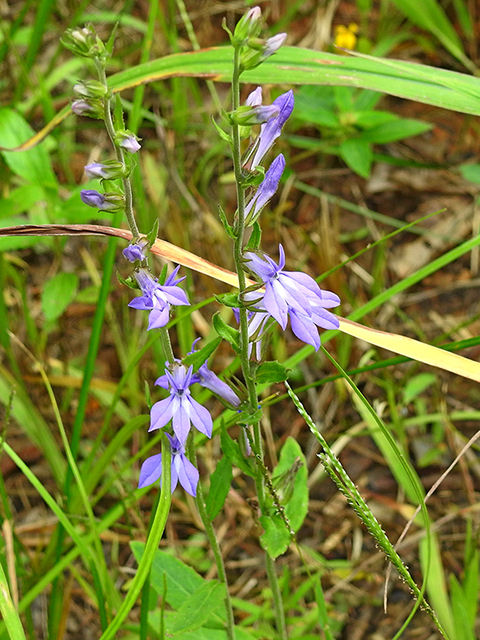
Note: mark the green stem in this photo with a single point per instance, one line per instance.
(248, 371)
(277, 597)
(151, 545)
(110, 127)
(212, 538)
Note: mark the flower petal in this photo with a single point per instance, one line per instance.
(305, 329)
(151, 471)
(161, 413)
(187, 474)
(200, 417)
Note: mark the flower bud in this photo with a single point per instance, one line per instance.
(84, 42)
(110, 202)
(127, 140)
(109, 170)
(253, 115)
(136, 251)
(257, 51)
(249, 26)
(89, 89)
(88, 108)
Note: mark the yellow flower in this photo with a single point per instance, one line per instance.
(345, 37)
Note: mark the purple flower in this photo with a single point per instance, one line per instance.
(270, 131)
(130, 144)
(266, 189)
(157, 298)
(254, 98)
(258, 317)
(182, 469)
(296, 294)
(179, 407)
(211, 381)
(272, 45)
(90, 108)
(110, 170)
(127, 140)
(92, 198)
(136, 251)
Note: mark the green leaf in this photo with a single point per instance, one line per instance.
(226, 332)
(276, 538)
(397, 129)
(197, 358)
(254, 241)
(34, 165)
(296, 508)
(269, 372)
(471, 172)
(232, 451)
(228, 299)
(223, 134)
(57, 295)
(197, 609)
(417, 385)
(220, 482)
(357, 154)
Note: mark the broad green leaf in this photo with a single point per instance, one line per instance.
(358, 155)
(226, 332)
(417, 385)
(197, 609)
(368, 119)
(397, 129)
(269, 372)
(33, 165)
(197, 358)
(276, 538)
(220, 482)
(202, 633)
(296, 508)
(232, 451)
(57, 294)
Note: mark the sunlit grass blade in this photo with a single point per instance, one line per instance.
(398, 344)
(293, 65)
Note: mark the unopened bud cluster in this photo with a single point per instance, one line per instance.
(254, 50)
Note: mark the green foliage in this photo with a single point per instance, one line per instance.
(57, 295)
(220, 482)
(350, 125)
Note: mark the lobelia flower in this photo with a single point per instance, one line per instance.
(179, 407)
(127, 140)
(296, 294)
(270, 131)
(90, 108)
(211, 381)
(136, 251)
(258, 317)
(182, 469)
(103, 201)
(109, 170)
(157, 298)
(265, 190)
(254, 98)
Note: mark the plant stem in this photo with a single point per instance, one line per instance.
(212, 538)
(277, 597)
(110, 127)
(248, 371)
